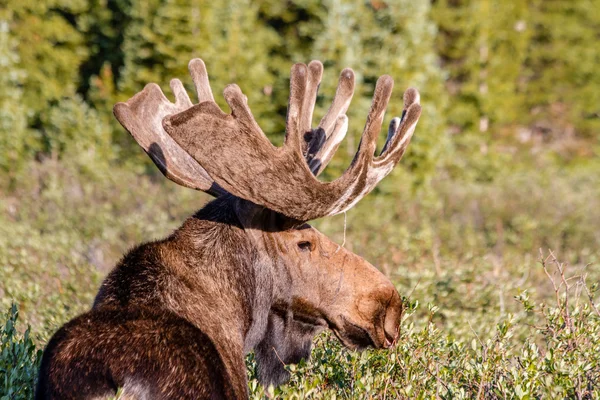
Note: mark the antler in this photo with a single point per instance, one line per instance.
(142, 116)
(235, 152)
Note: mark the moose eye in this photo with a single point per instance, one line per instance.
(305, 246)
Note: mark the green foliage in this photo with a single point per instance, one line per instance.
(562, 66)
(477, 37)
(19, 359)
(521, 74)
(14, 135)
(50, 48)
(76, 131)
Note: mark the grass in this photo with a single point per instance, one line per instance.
(488, 316)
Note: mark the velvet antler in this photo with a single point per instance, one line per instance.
(229, 152)
(238, 156)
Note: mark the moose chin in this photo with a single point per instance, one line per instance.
(176, 317)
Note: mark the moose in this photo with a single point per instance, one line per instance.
(176, 317)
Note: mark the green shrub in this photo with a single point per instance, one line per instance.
(19, 359)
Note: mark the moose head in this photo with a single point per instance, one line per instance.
(247, 271)
(317, 284)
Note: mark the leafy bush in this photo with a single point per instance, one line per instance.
(19, 359)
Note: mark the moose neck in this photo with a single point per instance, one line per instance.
(222, 272)
(262, 226)
(232, 281)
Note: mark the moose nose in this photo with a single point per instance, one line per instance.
(393, 315)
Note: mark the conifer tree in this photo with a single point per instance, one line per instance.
(562, 67)
(103, 25)
(14, 135)
(50, 49)
(483, 45)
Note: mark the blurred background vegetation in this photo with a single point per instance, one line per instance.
(505, 161)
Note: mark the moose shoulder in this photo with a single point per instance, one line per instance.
(176, 317)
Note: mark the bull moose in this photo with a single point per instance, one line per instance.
(175, 317)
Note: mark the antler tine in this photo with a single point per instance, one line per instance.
(315, 73)
(368, 140)
(341, 100)
(335, 122)
(142, 117)
(294, 136)
(200, 78)
(238, 103)
(181, 97)
(313, 139)
(381, 98)
(402, 129)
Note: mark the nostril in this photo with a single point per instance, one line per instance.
(393, 315)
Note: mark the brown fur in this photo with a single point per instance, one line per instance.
(233, 278)
(176, 317)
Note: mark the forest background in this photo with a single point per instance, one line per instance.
(505, 162)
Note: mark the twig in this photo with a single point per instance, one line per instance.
(562, 268)
(590, 295)
(414, 288)
(484, 358)
(277, 354)
(475, 333)
(551, 278)
(387, 382)
(344, 238)
(436, 377)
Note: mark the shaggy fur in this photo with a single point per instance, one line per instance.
(176, 317)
